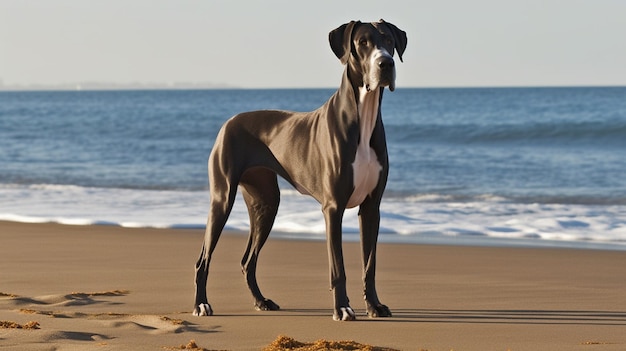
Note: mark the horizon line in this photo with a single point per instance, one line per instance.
(138, 86)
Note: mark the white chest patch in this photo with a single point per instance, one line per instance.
(366, 167)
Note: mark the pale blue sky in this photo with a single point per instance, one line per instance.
(285, 43)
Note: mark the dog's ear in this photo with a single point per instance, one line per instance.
(399, 36)
(341, 40)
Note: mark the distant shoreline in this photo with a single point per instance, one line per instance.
(80, 86)
(103, 86)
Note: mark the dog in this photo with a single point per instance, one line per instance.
(337, 154)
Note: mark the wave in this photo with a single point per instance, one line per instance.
(564, 199)
(444, 196)
(602, 133)
(410, 219)
(405, 219)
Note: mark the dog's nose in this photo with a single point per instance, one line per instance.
(385, 63)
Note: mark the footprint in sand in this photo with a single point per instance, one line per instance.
(72, 299)
(151, 324)
(72, 324)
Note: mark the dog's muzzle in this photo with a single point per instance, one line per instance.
(382, 71)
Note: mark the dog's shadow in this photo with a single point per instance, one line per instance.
(547, 317)
(551, 317)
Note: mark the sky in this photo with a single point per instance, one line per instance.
(284, 44)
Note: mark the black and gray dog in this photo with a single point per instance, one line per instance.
(337, 154)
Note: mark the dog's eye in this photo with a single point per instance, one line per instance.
(362, 41)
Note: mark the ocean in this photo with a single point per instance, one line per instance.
(475, 166)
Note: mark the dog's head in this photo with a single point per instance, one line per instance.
(368, 49)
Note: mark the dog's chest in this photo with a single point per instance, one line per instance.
(366, 167)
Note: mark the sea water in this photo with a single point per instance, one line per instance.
(527, 166)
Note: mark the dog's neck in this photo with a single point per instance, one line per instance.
(366, 167)
(368, 112)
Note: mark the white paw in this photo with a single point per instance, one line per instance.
(347, 314)
(204, 309)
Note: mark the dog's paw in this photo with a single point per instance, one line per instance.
(344, 314)
(203, 309)
(266, 305)
(379, 310)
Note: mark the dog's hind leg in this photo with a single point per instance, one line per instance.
(262, 196)
(223, 191)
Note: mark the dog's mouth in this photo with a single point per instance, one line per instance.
(391, 84)
(381, 82)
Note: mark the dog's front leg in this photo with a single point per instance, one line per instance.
(369, 219)
(342, 310)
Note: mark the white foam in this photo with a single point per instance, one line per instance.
(402, 220)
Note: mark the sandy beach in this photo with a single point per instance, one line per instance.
(113, 288)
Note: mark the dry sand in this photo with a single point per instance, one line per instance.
(111, 288)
